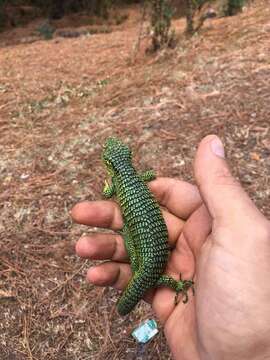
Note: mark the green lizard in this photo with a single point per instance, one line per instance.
(145, 233)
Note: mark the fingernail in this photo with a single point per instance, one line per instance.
(217, 147)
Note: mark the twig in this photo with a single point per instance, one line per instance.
(64, 282)
(61, 346)
(138, 42)
(26, 340)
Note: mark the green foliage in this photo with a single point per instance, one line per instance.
(235, 7)
(46, 30)
(98, 7)
(103, 8)
(55, 9)
(161, 22)
(190, 11)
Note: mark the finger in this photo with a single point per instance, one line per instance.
(100, 246)
(112, 274)
(174, 227)
(202, 220)
(105, 214)
(104, 246)
(179, 197)
(224, 197)
(116, 275)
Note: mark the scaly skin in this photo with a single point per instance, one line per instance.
(144, 232)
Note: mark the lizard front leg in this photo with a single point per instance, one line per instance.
(108, 190)
(148, 175)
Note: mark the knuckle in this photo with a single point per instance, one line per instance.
(119, 250)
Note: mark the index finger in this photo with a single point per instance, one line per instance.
(107, 214)
(102, 213)
(179, 197)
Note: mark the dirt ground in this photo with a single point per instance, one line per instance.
(59, 101)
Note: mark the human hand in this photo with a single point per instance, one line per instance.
(229, 318)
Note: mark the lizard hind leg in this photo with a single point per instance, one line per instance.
(186, 285)
(181, 286)
(131, 249)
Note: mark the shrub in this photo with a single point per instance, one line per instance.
(234, 7)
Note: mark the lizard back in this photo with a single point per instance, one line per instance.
(145, 232)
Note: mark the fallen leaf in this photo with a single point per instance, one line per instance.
(255, 156)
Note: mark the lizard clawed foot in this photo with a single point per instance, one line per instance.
(176, 299)
(183, 287)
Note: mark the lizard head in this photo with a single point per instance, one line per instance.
(115, 154)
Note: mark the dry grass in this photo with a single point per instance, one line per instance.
(59, 100)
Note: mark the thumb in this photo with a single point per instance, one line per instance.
(224, 197)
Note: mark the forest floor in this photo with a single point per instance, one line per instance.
(59, 101)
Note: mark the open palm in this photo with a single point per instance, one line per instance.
(180, 217)
(212, 235)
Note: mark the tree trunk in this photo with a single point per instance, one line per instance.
(189, 17)
(161, 22)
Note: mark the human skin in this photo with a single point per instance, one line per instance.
(219, 237)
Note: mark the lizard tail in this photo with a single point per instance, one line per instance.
(137, 287)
